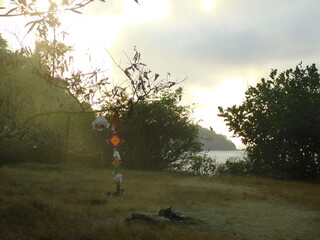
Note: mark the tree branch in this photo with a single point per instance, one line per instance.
(42, 114)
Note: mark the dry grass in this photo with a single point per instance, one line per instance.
(62, 202)
(57, 202)
(300, 193)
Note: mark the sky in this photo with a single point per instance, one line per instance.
(221, 46)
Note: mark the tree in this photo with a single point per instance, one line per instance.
(158, 132)
(3, 43)
(23, 94)
(139, 83)
(51, 61)
(280, 123)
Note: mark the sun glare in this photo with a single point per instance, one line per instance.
(208, 4)
(43, 5)
(97, 32)
(147, 10)
(3, 3)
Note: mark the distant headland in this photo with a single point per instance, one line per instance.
(213, 141)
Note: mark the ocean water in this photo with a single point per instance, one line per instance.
(222, 156)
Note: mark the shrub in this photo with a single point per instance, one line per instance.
(234, 166)
(199, 164)
(279, 123)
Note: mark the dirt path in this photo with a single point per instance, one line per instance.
(254, 216)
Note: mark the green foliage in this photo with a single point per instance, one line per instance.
(56, 61)
(234, 166)
(41, 91)
(158, 133)
(3, 43)
(280, 123)
(199, 164)
(24, 94)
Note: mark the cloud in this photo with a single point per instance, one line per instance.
(236, 39)
(232, 37)
(114, 8)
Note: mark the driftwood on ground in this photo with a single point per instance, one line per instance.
(165, 216)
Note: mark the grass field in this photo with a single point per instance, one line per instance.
(305, 194)
(57, 202)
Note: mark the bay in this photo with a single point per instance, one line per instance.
(223, 156)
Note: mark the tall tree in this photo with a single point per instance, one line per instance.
(280, 123)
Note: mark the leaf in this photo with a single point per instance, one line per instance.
(66, 64)
(30, 29)
(156, 76)
(73, 10)
(135, 66)
(11, 10)
(145, 75)
(29, 23)
(171, 84)
(126, 71)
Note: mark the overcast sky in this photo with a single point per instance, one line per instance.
(221, 45)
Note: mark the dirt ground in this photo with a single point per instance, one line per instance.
(254, 215)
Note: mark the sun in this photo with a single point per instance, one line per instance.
(208, 4)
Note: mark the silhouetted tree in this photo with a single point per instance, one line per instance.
(55, 63)
(158, 133)
(280, 123)
(24, 94)
(52, 61)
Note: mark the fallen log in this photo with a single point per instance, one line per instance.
(165, 216)
(172, 215)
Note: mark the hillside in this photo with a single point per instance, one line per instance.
(213, 141)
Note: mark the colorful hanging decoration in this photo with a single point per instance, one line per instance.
(116, 163)
(100, 123)
(115, 140)
(115, 121)
(116, 155)
(118, 177)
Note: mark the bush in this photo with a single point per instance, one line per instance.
(199, 164)
(234, 166)
(279, 123)
(32, 152)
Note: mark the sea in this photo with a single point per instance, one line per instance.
(222, 156)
